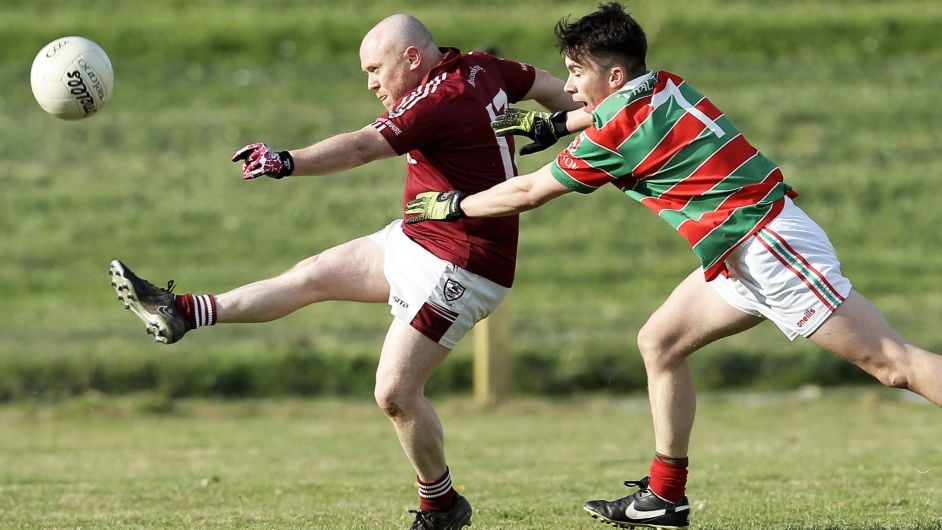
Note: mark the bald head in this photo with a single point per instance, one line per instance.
(398, 32)
(396, 54)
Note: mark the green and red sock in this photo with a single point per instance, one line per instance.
(669, 477)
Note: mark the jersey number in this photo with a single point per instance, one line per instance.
(671, 91)
(497, 106)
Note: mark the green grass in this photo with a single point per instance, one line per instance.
(850, 460)
(843, 95)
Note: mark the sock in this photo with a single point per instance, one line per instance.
(669, 477)
(437, 496)
(199, 310)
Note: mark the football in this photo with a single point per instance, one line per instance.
(72, 78)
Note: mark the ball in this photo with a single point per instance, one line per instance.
(71, 78)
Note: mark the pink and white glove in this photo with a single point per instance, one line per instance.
(259, 159)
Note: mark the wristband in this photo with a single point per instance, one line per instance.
(558, 119)
(287, 164)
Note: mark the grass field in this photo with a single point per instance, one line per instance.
(848, 460)
(843, 95)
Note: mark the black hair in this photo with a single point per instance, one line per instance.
(607, 36)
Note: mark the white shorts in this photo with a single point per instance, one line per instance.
(440, 299)
(788, 272)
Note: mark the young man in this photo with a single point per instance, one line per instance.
(439, 280)
(663, 144)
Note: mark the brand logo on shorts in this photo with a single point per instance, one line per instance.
(805, 318)
(400, 302)
(453, 290)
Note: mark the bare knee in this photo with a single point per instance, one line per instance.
(305, 270)
(391, 409)
(890, 374)
(306, 278)
(895, 380)
(657, 350)
(394, 403)
(889, 364)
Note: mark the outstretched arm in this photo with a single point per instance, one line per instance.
(512, 196)
(337, 153)
(342, 152)
(515, 195)
(549, 91)
(544, 128)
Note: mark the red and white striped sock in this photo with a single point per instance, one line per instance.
(199, 310)
(437, 496)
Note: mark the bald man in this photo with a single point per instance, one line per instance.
(438, 278)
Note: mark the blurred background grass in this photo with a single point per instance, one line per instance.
(842, 95)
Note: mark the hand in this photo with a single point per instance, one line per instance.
(435, 206)
(543, 128)
(259, 159)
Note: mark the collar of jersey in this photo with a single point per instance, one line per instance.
(627, 87)
(449, 55)
(636, 82)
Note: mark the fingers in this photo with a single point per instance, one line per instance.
(251, 171)
(510, 131)
(243, 152)
(420, 203)
(535, 147)
(503, 121)
(256, 159)
(510, 122)
(508, 128)
(254, 165)
(435, 206)
(416, 206)
(513, 113)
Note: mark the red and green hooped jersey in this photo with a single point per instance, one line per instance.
(667, 146)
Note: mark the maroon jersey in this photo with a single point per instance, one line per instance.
(444, 128)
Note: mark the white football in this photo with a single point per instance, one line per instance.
(71, 78)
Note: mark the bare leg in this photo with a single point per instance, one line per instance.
(693, 316)
(354, 271)
(407, 361)
(351, 271)
(858, 333)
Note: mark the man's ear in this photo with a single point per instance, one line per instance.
(617, 76)
(413, 56)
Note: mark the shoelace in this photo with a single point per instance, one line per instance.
(420, 517)
(170, 285)
(640, 484)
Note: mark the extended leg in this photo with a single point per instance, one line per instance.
(351, 271)
(858, 333)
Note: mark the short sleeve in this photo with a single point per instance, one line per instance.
(518, 78)
(584, 166)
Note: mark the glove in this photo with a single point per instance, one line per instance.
(259, 159)
(541, 127)
(435, 206)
